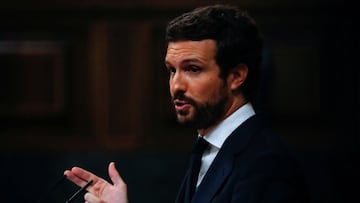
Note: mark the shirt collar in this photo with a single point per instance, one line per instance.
(217, 136)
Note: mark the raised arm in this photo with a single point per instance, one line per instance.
(100, 191)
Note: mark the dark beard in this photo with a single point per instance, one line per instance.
(205, 115)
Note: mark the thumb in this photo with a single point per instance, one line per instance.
(114, 174)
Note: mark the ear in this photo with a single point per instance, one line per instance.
(237, 76)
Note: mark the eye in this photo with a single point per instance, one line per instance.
(193, 69)
(171, 70)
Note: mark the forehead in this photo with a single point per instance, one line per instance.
(203, 50)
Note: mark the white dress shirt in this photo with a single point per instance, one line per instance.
(217, 136)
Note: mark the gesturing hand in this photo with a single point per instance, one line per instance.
(100, 190)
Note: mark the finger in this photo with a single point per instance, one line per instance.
(80, 176)
(75, 179)
(89, 197)
(114, 175)
(83, 174)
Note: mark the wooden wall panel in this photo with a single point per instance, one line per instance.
(32, 78)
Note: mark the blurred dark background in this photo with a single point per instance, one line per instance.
(83, 83)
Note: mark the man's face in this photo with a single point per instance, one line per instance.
(198, 93)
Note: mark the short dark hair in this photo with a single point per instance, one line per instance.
(237, 37)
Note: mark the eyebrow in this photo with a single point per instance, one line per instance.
(190, 60)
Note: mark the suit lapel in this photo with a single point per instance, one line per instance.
(212, 181)
(223, 163)
(180, 198)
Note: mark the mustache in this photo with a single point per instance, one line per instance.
(182, 97)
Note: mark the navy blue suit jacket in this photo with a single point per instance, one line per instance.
(252, 166)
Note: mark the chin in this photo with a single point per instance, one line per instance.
(183, 119)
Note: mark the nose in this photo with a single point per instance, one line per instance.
(177, 83)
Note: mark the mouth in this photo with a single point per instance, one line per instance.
(181, 105)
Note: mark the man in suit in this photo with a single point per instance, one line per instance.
(213, 57)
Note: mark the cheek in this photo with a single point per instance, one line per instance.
(171, 87)
(209, 92)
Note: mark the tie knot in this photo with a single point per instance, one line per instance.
(200, 145)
